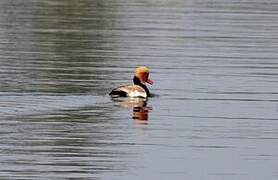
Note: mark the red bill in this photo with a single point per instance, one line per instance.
(150, 81)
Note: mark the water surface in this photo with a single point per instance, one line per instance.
(214, 113)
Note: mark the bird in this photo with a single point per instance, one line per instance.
(139, 88)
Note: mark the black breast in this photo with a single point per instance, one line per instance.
(137, 81)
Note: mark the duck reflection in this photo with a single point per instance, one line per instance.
(139, 106)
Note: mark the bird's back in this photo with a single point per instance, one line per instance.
(128, 91)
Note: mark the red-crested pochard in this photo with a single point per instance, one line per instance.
(139, 89)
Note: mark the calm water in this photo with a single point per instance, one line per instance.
(214, 114)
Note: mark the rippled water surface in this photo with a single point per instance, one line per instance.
(215, 110)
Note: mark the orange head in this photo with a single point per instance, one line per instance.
(143, 74)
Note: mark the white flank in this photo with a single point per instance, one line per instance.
(137, 94)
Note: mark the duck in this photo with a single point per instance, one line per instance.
(139, 88)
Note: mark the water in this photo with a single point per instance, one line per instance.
(214, 113)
